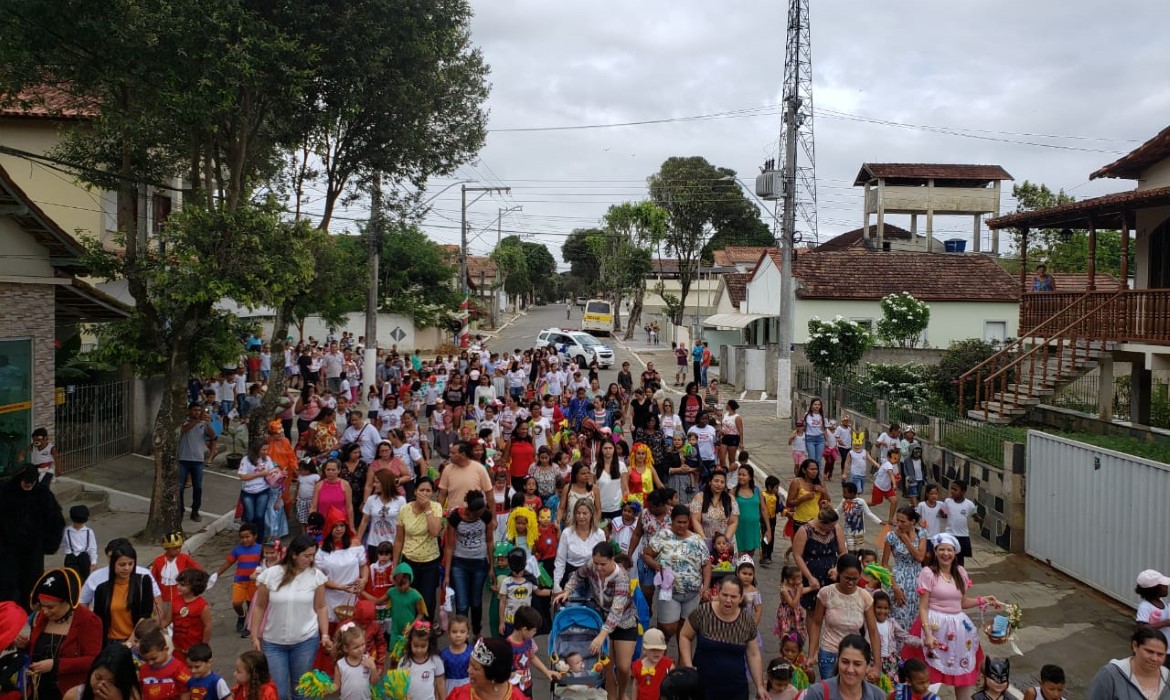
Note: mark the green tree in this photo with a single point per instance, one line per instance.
(903, 320)
(215, 92)
(513, 266)
(835, 347)
(542, 269)
(703, 203)
(584, 267)
(632, 230)
(398, 88)
(416, 280)
(1048, 245)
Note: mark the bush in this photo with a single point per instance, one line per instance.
(903, 385)
(834, 348)
(961, 356)
(904, 318)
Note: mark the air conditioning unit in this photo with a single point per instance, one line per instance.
(770, 185)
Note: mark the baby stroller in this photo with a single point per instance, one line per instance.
(573, 628)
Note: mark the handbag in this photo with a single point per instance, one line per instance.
(79, 561)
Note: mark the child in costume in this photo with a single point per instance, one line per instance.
(648, 672)
(167, 566)
(892, 635)
(780, 680)
(854, 511)
(456, 655)
(790, 616)
(521, 528)
(996, 679)
(916, 685)
(205, 683)
(790, 650)
(500, 558)
(722, 559)
(378, 586)
(547, 539)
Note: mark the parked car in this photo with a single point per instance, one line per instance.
(576, 345)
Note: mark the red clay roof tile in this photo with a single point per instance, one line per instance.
(870, 275)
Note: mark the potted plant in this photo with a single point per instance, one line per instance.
(238, 432)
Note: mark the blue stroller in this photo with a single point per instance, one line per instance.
(573, 629)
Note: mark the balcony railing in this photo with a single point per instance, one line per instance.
(1135, 315)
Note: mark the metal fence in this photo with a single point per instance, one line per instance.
(93, 424)
(1095, 514)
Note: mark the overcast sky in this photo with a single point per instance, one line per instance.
(1007, 72)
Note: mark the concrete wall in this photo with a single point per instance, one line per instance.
(763, 290)
(703, 296)
(1147, 221)
(1067, 420)
(22, 256)
(949, 320)
(27, 311)
(943, 200)
(1157, 175)
(999, 493)
(355, 323)
(885, 356)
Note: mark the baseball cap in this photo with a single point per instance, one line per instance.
(654, 639)
(1150, 578)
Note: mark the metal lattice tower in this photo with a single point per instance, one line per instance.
(797, 148)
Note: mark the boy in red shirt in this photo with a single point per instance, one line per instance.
(163, 677)
(190, 613)
(649, 670)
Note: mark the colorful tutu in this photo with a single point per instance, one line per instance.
(958, 661)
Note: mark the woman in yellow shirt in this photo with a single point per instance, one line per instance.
(806, 493)
(417, 541)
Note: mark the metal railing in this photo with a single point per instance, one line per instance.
(93, 424)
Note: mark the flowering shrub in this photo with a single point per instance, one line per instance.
(835, 347)
(904, 385)
(903, 320)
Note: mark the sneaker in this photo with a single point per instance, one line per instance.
(240, 626)
(195, 516)
(245, 634)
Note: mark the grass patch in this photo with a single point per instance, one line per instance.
(1126, 445)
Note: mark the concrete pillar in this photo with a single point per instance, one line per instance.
(865, 214)
(995, 232)
(1105, 388)
(914, 230)
(881, 228)
(975, 237)
(930, 215)
(882, 411)
(1141, 384)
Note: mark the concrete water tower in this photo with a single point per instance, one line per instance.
(929, 189)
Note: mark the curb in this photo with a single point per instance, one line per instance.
(217, 526)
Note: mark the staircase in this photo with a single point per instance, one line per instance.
(1052, 354)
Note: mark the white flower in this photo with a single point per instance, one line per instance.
(834, 341)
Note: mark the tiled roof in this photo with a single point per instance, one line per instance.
(861, 274)
(1131, 165)
(928, 171)
(734, 255)
(47, 102)
(736, 283)
(477, 264)
(1105, 211)
(1079, 282)
(856, 237)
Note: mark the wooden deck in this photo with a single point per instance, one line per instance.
(1130, 315)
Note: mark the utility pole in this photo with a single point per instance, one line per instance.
(796, 185)
(499, 237)
(464, 283)
(374, 243)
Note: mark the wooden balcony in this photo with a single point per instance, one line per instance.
(1130, 315)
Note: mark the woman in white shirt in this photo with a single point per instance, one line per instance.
(380, 513)
(289, 617)
(343, 561)
(669, 421)
(254, 491)
(613, 480)
(575, 548)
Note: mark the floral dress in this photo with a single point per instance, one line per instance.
(789, 620)
(906, 571)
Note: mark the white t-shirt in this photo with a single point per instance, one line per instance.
(916, 470)
(422, 677)
(857, 463)
(669, 424)
(305, 485)
(814, 426)
(611, 489)
(844, 436)
(259, 484)
(1150, 613)
(554, 383)
(884, 480)
(383, 519)
(930, 518)
(884, 443)
(957, 515)
(706, 441)
(540, 437)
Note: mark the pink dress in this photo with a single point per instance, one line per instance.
(331, 496)
(957, 662)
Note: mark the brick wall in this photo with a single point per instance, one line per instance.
(28, 310)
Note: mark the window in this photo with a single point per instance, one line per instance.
(995, 331)
(866, 323)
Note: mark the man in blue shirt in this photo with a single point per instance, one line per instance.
(697, 361)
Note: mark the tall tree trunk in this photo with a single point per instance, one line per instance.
(165, 513)
(636, 311)
(685, 281)
(617, 312)
(269, 405)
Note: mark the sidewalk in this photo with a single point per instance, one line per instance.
(664, 361)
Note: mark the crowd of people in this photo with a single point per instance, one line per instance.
(372, 540)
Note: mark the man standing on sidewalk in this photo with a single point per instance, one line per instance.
(706, 363)
(680, 362)
(193, 437)
(333, 363)
(697, 362)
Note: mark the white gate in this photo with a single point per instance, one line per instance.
(1095, 514)
(755, 370)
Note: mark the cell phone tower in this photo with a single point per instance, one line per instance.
(797, 147)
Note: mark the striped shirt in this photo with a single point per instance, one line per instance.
(612, 594)
(246, 560)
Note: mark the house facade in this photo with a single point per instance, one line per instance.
(1126, 324)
